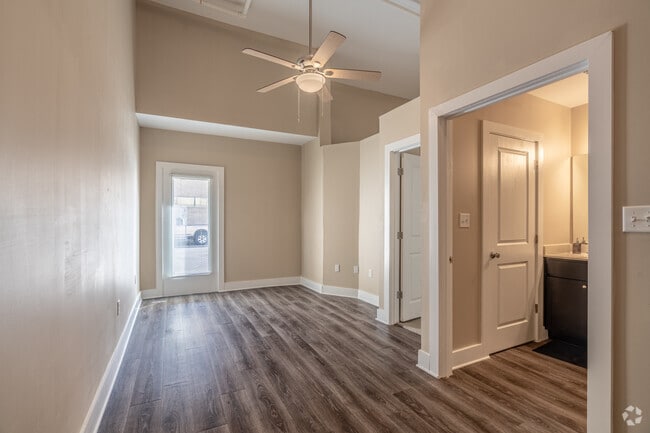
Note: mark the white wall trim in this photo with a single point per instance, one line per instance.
(382, 316)
(594, 55)
(311, 285)
(344, 292)
(98, 405)
(424, 361)
(369, 298)
(391, 214)
(259, 284)
(151, 293)
(468, 355)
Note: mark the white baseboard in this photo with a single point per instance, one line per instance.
(151, 293)
(311, 285)
(98, 405)
(468, 355)
(382, 316)
(344, 292)
(259, 284)
(424, 360)
(369, 298)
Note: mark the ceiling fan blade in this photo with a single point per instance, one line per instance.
(326, 94)
(270, 58)
(352, 74)
(328, 47)
(277, 84)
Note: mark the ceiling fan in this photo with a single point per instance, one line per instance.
(311, 77)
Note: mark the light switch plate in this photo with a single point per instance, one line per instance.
(463, 220)
(636, 218)
(337, 268)
(355, 269)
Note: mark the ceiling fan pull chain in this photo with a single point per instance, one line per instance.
(322, 98)
(298, 103)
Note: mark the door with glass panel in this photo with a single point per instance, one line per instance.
(189, 226)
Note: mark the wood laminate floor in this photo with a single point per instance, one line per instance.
(288, 360)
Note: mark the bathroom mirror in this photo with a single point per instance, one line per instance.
(579, 197)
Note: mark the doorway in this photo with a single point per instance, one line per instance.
(594, 55)
(189, 228)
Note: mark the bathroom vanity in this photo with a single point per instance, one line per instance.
(565, 297)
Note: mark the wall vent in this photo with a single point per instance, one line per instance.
(210, 8)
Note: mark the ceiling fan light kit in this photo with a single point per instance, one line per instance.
(311, 78)
(310, 82)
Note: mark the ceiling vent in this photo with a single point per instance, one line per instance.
(210, 8)
(235, 7)
(412, 6)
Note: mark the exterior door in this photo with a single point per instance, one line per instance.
(509, 236)
(190, 218)
(411, 245)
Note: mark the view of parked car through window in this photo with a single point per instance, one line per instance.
(191, 221)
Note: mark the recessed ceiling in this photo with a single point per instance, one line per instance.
(381, 35)
(570, 92)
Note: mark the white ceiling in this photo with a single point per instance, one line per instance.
(570, 92)
(382, 35)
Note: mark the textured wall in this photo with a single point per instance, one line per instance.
(68, 219)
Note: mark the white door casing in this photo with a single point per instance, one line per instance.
(509, 236)
(411, 244)
(212, 280)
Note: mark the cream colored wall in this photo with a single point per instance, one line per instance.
(262, 201)
(502, 36)
(355, 112)
(341, 214)
(579, 130)
(312, 211)
(193, 68)
(402, 122)
(371, 215)
(526, 112)
(69, 169)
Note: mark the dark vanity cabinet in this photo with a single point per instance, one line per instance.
(565, 300)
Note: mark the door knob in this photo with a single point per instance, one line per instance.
(494, 255)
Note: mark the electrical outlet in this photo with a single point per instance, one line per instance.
(369, 273)
(355, 269)
(337, 268)
(117, 307)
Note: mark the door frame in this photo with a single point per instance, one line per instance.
(217, 174)
(594, 56)
(389, 314)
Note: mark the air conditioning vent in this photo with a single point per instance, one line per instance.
(237, 7)
(412, 6)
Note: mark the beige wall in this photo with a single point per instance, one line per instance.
(193, 68)
(525, 112)
(262, 201)
(402, 122)
(371, 215)
(312, 211)
(68, 140)
(499, 37)
(579, 130)
(341, 214)
(355, 112)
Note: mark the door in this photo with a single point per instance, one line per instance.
(411, 244)
(190, 207)
(509, 236)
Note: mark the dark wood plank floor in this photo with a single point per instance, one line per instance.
(288, 360)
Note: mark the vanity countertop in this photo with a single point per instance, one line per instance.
(568, 256)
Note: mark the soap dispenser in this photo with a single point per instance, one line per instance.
(576, 247)
(584, 246)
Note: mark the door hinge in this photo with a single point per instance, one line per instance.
(536, 239)
(537, 164)
(400, 294)
(536, 308)
(400, 171)
(400, 235)
(451, 259)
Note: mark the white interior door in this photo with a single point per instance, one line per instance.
(509, 233)
(190, 228)
(411, 245)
